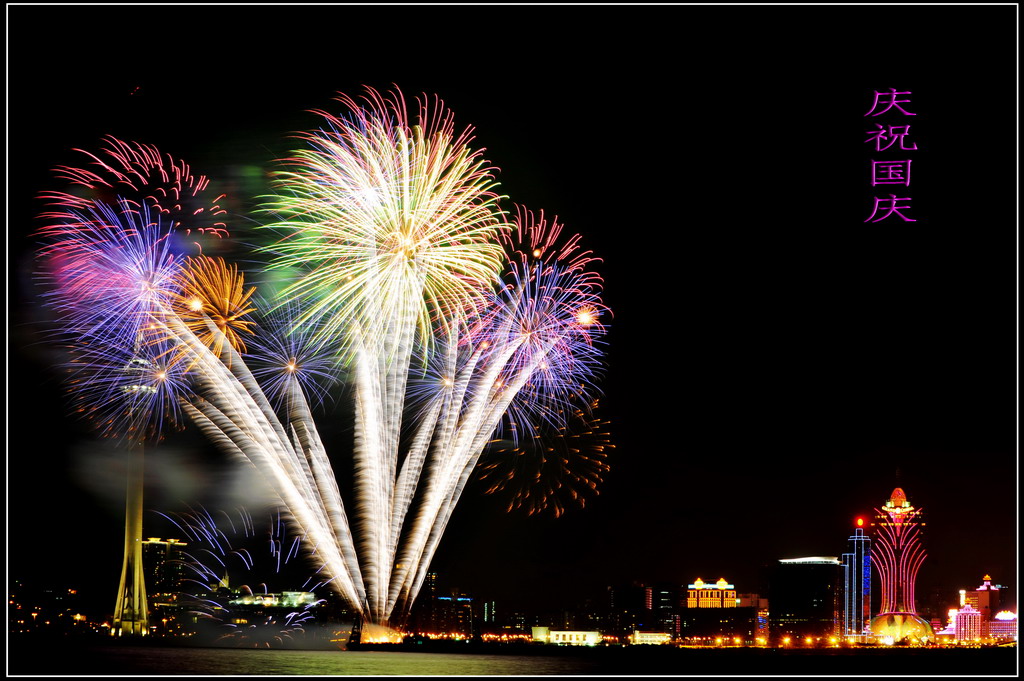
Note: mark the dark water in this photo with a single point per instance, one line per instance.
(212, 661)
(57, 659)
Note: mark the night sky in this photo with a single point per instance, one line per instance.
(776, 365)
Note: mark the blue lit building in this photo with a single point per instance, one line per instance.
(453, 615)
(856, 562)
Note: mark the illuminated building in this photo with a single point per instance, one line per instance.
(897, 555)
(1003, 627)
(164, 568)
(629, 609)
(857, 585)
(165, 574)
(804, 595)
(986, 599)
(490, 609)
(514, 623)
(567, 638)
(665, 609)
(700, 594)
(285, 599)
(715, 610)
(454, 615)
(759, 605)
(946, 634)
(968, 624)
(424, 612)
(650, 638)
(259, 619)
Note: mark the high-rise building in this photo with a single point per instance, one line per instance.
(804, 596)
(165, 573)
(424, 615)
(986, 599)
(490, 617)
(897, 555)
(164, 568)
(454, 615)
(665, 609)
(515, 623)
(968, 624)
(757, 604)
(629, 609)
(857, 585)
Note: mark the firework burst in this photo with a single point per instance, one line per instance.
(447, 320)
(144, 177)
(127, 393)
(551, 302)
(553, 468)
(212, 301)
(388, 217)
(286, 355)
(112, 271)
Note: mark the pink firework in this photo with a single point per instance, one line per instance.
(142, 175)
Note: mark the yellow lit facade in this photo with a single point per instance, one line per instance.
(720, 594)
(567, 638)
(650, 638)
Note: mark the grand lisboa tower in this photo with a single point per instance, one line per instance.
(897, 555)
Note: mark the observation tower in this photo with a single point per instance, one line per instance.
(897, 555)
(131, 614)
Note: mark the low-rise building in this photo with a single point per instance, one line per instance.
(567, 638)
(650, 638)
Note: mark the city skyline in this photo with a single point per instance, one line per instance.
(810, 600)
(820, 363)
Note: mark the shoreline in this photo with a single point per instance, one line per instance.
(104, 656)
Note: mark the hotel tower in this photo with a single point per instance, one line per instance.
(897, 555)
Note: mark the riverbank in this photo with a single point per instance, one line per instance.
(60, 657)
(671, 660)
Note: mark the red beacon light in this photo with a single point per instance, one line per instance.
(860, 522)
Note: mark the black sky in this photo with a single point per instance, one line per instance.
(776, 365)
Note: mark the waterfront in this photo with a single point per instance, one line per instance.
(59, 658)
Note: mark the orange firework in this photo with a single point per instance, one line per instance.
(212, 301)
